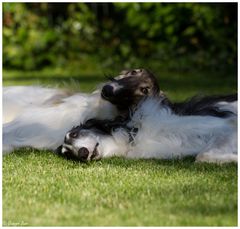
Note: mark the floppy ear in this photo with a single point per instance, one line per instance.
(101, 125)
(90, 123)
(105, 126)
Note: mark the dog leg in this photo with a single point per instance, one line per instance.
(215, 156)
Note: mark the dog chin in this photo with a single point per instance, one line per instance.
(110, 99)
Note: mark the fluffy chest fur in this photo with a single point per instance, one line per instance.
(162, 134)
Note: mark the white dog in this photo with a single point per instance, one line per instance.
(40, 117)
(154, 131)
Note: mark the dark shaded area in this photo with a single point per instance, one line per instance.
(169, 35)
(186, 163)
(203, 105)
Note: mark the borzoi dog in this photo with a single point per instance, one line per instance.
(40, 117)
(155, 131)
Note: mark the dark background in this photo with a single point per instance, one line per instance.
(172, 35)
(190, 47)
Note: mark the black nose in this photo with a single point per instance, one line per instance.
(107, 91)
(83, 153)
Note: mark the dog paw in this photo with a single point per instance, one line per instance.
(217, 158)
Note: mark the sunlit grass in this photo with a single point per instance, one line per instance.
(40, 188)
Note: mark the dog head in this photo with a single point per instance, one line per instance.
(87, 141)
(128, 88)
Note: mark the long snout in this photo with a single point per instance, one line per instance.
(110, 90)
(83, 154)
(107, 91)
(68, 151)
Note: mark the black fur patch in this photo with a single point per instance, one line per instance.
(200, 105)
(106, 126)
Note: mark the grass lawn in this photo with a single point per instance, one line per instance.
(40, 188)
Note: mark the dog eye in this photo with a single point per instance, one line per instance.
(133, 72)
(144, 90)
(73, 134)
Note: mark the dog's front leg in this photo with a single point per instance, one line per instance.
(217, 156)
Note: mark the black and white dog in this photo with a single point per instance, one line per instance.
(155, 131)
(40, 117)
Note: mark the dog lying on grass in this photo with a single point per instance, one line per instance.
(40, 117)
(155, 131)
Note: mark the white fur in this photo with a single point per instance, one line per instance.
(40, 117)
(16, 99)
(165, 135)
(228, 106)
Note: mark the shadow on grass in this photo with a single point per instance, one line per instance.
(186, 163)
(210, 209)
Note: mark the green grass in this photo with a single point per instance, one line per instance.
(40, 188)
